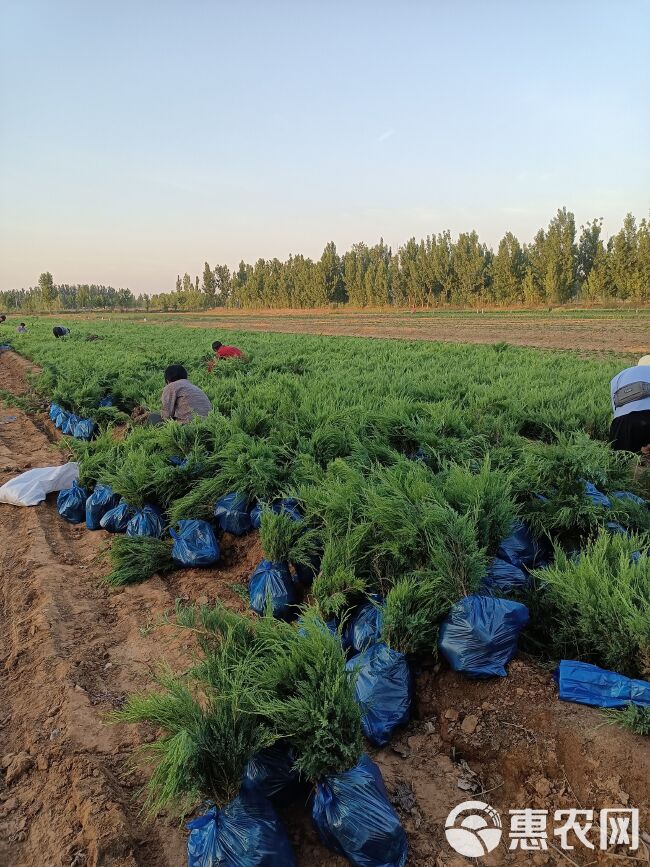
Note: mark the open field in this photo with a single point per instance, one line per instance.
(618, 330)
(336, 422)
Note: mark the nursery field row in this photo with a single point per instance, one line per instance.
(409, 498)
(618, 330)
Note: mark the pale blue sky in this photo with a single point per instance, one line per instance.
(138, 139)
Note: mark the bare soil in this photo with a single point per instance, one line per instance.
(70, 651)
(598, 333)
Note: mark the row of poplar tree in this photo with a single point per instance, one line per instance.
(558, 266)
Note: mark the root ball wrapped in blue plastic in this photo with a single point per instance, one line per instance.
(521, 548)
(61, 419)
(70, 424)
(272, 581)
(632, 498)
(383, 688)
(503, 577)
(116, 520)
(288, 506)
(84, 429)
(71, 503)
(597, 497)
(245, 833)
(588, 684)
(232, 514)
(354, 817)
(55, 409)
(146, 522)
(271, 773)
(479, 636)
(101, 501)
(364, 627)
(195, 544)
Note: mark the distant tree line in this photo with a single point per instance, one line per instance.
(557, 267)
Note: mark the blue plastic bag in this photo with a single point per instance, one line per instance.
(176, 461)
(106, 401)
(271, 773)
(628, 495)
(520, 548)
(84, 429)
(306, 572)
(55, 409)
(232, 514)
(70, 424)
(384, 690)
(194, 544)
(146, 522)
(597, 497)
(588, 684)
(615, 529)
(354, 817)
(101, 501)
(71, 503)
(364, 627)
(479, 635)
(288, 506)
(116, 520)
(62, 419)
(503, 577)
(272, 580)
(246, 833)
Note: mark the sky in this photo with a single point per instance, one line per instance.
(140, 139)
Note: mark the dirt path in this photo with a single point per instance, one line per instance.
(70, 651)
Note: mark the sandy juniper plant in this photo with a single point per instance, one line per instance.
(596, 605)
(137, 558)
(297, 685)
(208, 731)
(632, 717)
(558, 472)
(285, 540)
(413, 610)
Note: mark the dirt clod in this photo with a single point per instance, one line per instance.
(469, 724)
(19, 764)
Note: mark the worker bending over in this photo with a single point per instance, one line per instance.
(221, 351)
(630, 393)
(181, 400)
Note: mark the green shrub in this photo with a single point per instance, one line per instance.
(632, 717)
(413, 609)
(596, 606)
(136, 558)
(209, 732)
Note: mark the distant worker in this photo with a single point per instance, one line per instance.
(22, 328)
(181, 400)
(60, 331)
(221, 351)
(630, 393)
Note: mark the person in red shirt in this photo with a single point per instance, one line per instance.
(221, 351)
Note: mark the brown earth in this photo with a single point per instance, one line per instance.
(604, 333)
(71, 650)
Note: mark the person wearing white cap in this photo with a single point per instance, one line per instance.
(630, 393)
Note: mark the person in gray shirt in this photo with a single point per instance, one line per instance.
(181, 400)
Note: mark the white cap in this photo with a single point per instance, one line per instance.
(644, 361)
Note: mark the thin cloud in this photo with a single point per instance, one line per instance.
(385, 135)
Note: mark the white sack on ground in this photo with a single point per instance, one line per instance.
(31, 488)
